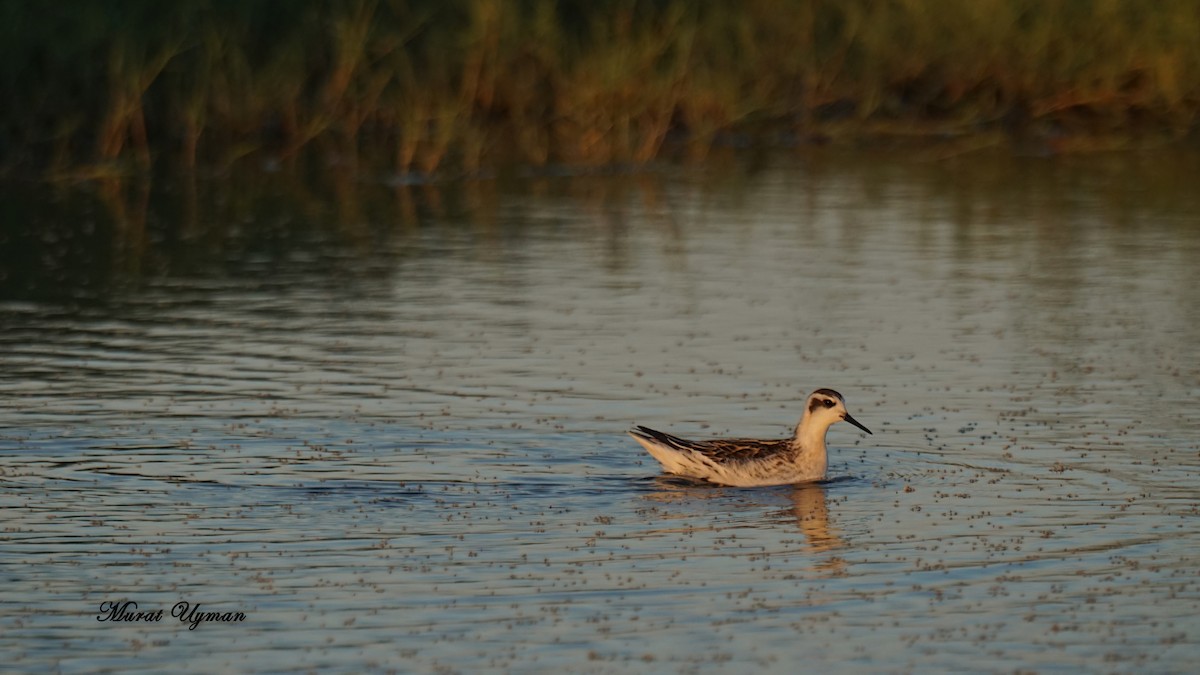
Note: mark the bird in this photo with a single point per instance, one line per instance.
(754, 463)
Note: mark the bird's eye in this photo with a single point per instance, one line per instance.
(828, 403)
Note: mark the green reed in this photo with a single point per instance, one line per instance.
(427, 84)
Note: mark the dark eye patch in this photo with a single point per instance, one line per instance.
(828, 403)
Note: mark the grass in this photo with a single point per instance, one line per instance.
(423, 85)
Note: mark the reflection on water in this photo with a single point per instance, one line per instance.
(385, 421)
(806, 510)
(811, 511)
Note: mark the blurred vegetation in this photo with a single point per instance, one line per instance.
(417, 86)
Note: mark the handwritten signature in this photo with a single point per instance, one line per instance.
(184, 611)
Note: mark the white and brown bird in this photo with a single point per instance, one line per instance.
(752, 463)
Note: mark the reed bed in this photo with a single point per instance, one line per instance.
(424, 86)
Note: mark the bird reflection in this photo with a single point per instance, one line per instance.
(810, 508)
(807, 508)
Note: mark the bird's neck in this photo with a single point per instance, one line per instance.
(810, 437)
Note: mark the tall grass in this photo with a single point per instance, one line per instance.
(124, 85)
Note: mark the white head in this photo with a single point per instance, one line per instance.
(826, 407)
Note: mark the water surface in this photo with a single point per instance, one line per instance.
(386, 422)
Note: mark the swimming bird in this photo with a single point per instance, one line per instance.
(752, 463)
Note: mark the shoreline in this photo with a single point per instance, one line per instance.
(458, 86)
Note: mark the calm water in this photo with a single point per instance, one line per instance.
(386, 422)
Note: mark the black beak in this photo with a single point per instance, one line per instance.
(856, 423)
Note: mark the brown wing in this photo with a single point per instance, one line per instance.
(722, 450)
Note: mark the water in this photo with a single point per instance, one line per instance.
(386, 422)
